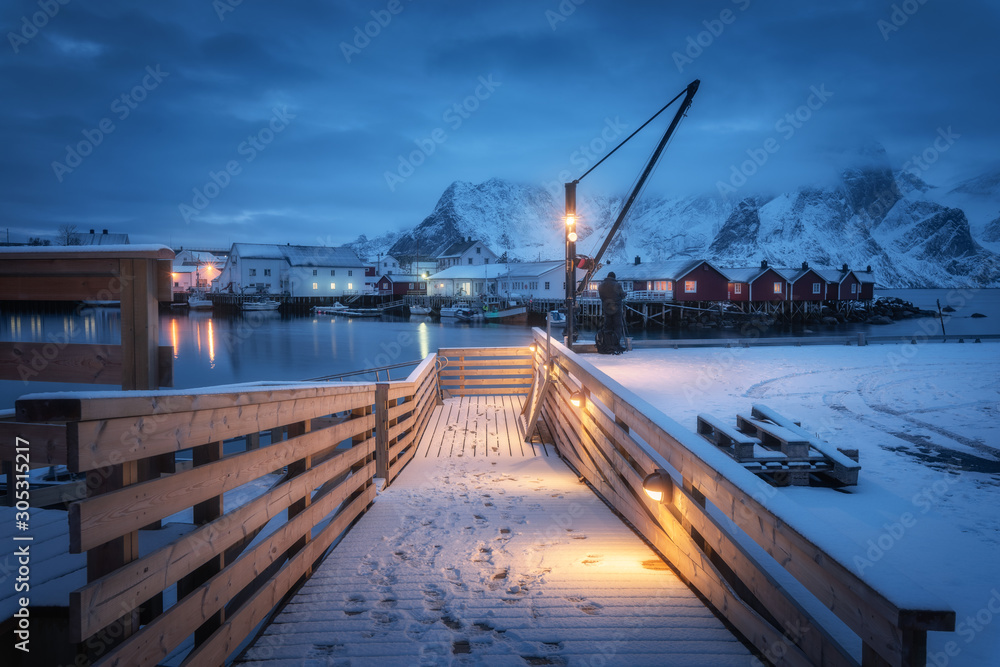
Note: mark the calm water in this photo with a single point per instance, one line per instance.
(212, 350)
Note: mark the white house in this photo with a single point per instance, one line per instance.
(386, 265)
(295, 270)
(182, 278)
(465, 253)
(536, 280)
(465, 280)
(195, 269)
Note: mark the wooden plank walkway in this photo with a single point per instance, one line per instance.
(487, 551)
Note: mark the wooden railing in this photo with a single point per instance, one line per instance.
(615, 438)
(237, 564)
(486, 370)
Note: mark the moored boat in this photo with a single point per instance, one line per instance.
(199, 301)
(260, 303)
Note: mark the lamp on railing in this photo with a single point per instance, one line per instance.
(658, 485)
(576, 399)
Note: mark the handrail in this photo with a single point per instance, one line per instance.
(617, 438)
(227, 574)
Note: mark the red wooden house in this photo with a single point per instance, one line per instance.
(842, 284)
(768, 285)
(401, 285)
(807, 285)
(739, 282)
(701, 282)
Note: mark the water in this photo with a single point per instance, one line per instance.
(211, 349)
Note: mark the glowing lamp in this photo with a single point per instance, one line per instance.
(570, 220)
(532, 348)
(658, 485)
(572, 236)
(576, 399)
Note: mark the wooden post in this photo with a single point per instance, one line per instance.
(382, 431)
(294, 469)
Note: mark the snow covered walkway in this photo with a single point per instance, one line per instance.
(482, 552)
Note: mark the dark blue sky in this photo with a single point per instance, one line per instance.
(293, 125)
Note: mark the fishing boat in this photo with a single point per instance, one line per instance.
(260, 303)
(199, 301)
(451, 311)
(466, 314)
(420, 310)
(496, 309)
(556, 319)
(326, 310)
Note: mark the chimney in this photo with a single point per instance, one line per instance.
(763, 263)
(91, 231)
(638, 260)
(104, 231)
(868, 269)
(844, 268)
(805, 265)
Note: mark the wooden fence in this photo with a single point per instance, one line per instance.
(327, 444)
(614, 439)
(486, 370)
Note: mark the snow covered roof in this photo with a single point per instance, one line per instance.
(456, 249)
(665, 270)
(531, 268)
(198, 256)
(402, 278)
(743, 274)
(832, 275)
(183, 268)
(299, 255)
(478, 271)
(99, 239)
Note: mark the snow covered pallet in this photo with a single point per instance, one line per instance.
(779, 450)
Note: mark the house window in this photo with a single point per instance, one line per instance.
(350, 273)
(350, 285)
(738, 288)
(777, 288)
(486, 260)
(690, 286)
(816, 288)
(546, 284)
(411, 285)
(267, 272)
(670, 285)
(315, 285)
(479, 251)
(853, 288)
(333, 285)
(470, 260)
(253, 272)
(333, 272)
(315, 272)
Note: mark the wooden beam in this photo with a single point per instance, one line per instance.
(382, 430)
(46, 441)
(59, 362)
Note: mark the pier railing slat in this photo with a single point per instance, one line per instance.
(614, 440)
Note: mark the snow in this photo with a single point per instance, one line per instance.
(124, 250)
(925, 419)
(494, 561)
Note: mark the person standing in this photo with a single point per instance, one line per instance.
(610, 338)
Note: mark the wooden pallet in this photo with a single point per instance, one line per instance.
(779, 450)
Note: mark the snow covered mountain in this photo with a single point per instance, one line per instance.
(912, 234)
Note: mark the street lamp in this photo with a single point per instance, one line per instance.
(571, 237)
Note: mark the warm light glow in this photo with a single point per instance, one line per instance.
(570, 220)
(211, 344)
(576, 398)
(658, 485)
(572, 237)
(532, 348)
(173, 335)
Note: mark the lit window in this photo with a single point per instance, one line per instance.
(333, 285)
(690, 286)
(350, 285)
(315, 285)
(670, 285)
(777, 288)
(738, 288)
(816, 287)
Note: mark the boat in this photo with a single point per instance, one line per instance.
(451, 311)
(325, 310)
(420, 310)
(199, 301)
(556, 319)
(260, 303)
(466, 314)
(496, 309)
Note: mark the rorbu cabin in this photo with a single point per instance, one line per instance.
(701, 281)
(807, 285)
(402, 285)
(842, 284)
(739, 282)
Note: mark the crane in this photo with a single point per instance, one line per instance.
(573, 289)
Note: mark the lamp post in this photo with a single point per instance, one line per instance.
(570, 262)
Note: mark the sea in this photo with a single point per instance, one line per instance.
(210, 349)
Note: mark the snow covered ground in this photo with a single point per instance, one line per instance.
(926, 419)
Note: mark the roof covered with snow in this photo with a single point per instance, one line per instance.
(532, 268)
(456, 249)
(665, 270)
(299, 255)
(466, 272)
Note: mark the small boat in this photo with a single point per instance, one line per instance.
(451, 311)
(260, 303)
(325, 310)
(198, 301)
(556, 319)
(466, 314)
(420, 310)
(516, 314)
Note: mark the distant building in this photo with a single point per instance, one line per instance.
(465, 253)
(193, 269)
(401, 284)
(295, 270)
(466, 280)
(104, 238)
(536, 280)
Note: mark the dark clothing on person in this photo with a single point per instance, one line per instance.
(611, 337)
